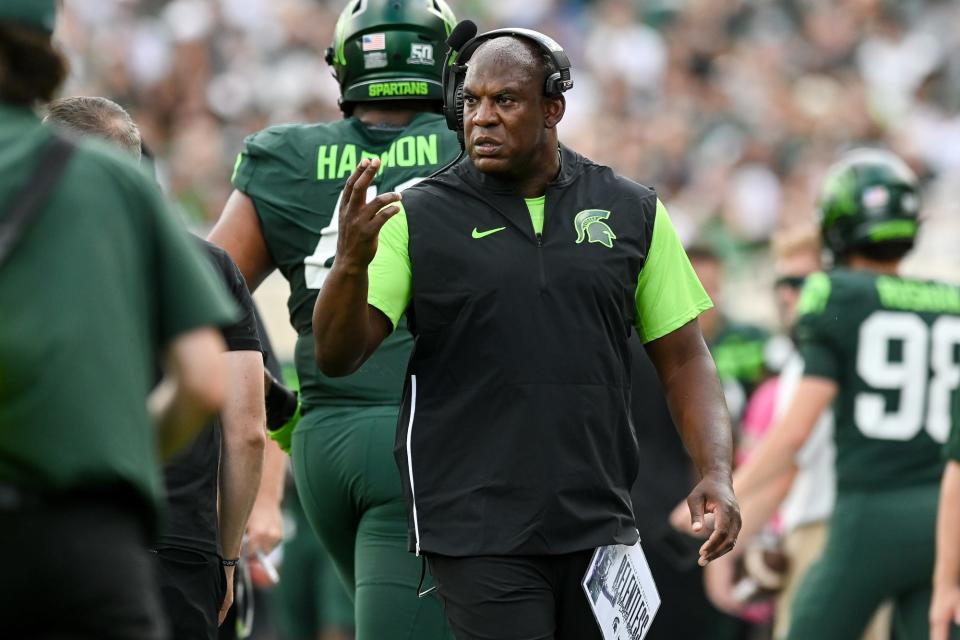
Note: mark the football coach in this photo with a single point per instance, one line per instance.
(523, 268)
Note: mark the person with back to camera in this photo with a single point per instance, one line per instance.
(98, 281)
(881, 349)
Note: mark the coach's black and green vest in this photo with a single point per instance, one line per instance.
(515, 434)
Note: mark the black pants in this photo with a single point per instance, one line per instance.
(515, 597)
(192, 586)
(77, 569)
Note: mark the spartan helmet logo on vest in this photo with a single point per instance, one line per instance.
(590, 226)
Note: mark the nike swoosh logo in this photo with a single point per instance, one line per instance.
(483, 234)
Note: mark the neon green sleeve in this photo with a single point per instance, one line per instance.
(669, 294)
(816, 329)
(389, 275)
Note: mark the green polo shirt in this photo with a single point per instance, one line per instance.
(102, 280)
(668, 293)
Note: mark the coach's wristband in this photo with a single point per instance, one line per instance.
(231, 562)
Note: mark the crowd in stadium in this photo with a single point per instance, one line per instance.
(732, 111)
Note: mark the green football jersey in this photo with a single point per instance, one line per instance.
(739, 353)
(892, 345)
(294, 174)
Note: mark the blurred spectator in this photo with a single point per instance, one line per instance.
(737, 348)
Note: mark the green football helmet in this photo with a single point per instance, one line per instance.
(869, 197)
(390, 50)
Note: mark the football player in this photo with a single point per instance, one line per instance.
(882, 349)
(945, 607)
(387, 57)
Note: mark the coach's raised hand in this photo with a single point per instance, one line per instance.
(345, 331)
(361, 221)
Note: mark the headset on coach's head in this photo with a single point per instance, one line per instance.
(463, 42)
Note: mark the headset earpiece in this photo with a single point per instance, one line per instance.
(453, 96)
(551, 87)
(458, 110)
(453, 74)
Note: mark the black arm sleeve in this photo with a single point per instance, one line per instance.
(269, 355)
(243, 335)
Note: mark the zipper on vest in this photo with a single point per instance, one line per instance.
(543, 273)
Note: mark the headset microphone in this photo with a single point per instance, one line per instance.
(461, 34)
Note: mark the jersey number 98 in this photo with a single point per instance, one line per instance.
(898, 352)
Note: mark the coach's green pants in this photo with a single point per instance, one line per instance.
(880, 546)
(349, 487)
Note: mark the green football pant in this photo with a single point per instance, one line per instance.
(880, 546)
(350, 489)
(310, 599)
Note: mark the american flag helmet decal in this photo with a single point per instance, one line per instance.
(374, 42)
